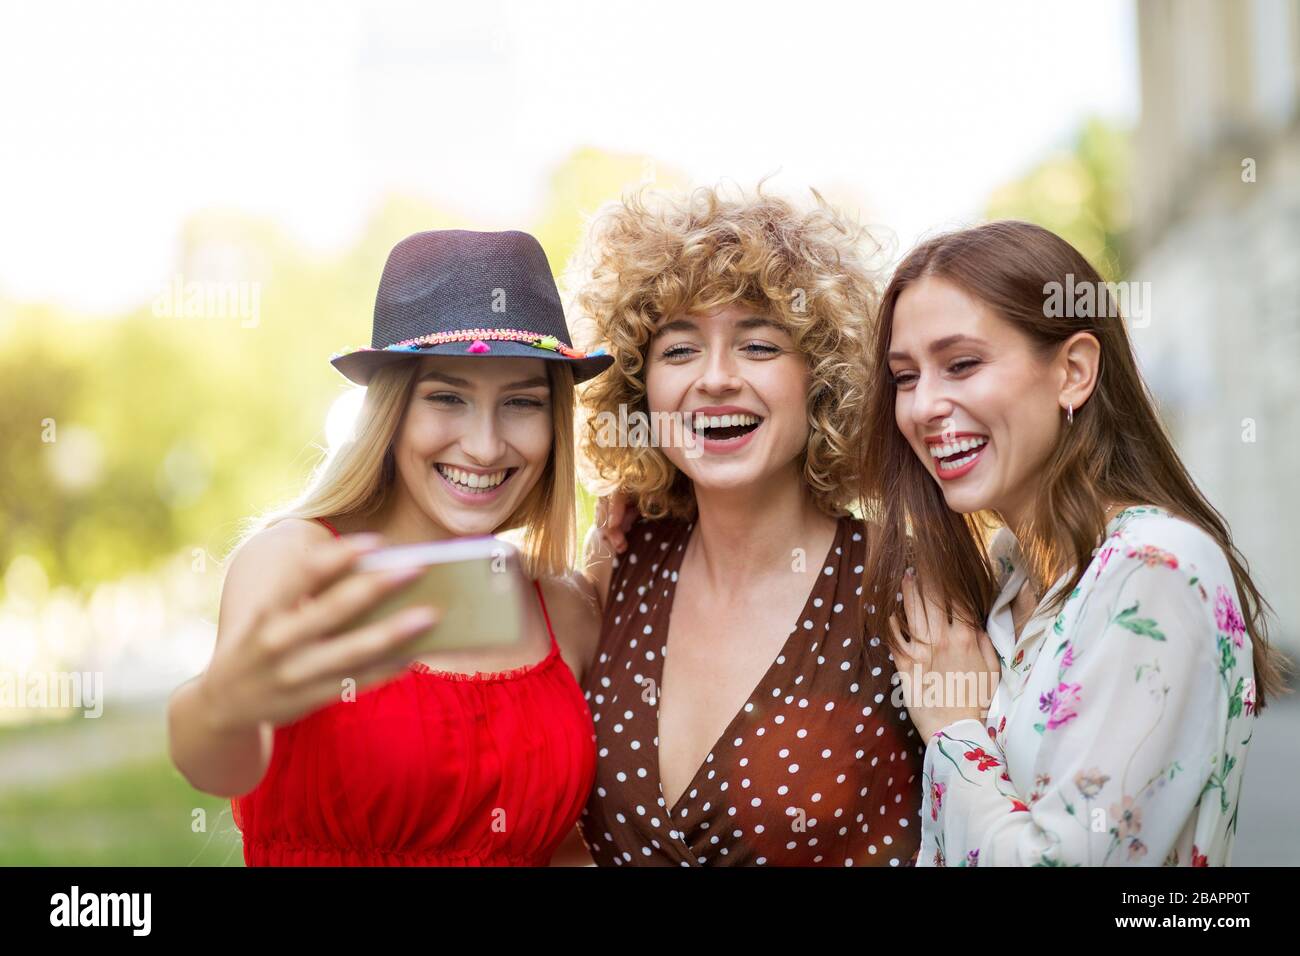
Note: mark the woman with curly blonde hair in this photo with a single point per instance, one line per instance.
(767, 736)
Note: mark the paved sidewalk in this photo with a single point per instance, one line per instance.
(48, 755)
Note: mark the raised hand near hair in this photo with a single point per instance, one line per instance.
(954, 666)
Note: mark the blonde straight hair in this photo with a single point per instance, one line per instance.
(360, 476)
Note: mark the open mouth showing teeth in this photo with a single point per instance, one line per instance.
(472, 482)
(723, 427)
(957, 453)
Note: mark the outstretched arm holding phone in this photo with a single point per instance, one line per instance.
(282, 650)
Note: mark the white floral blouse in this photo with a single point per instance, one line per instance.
(1119, 729)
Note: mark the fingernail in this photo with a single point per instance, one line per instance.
(418, 618)
(398, 575)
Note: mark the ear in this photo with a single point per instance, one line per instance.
(1080, 361)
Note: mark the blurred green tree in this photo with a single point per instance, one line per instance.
(129, 438)
(1082, 193)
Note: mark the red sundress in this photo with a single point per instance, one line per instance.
(429, 769)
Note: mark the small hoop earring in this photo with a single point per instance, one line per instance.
(1069, 414)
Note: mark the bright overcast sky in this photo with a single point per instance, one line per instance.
(119, 120)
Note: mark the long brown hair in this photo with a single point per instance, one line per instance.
(1116, 451)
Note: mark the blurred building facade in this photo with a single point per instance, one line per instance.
(1217, 224)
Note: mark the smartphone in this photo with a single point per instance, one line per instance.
(477, 583)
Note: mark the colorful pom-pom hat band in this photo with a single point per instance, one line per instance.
(457, 292)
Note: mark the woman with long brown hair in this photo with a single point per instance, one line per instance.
(1040, 540)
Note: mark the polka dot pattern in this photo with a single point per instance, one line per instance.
(817, 768)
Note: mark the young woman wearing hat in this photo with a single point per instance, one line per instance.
(1111, 609)
(742, 716)
(466, 429)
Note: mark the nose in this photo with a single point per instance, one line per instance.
(931, 404)
(719, 376)
(482, 440)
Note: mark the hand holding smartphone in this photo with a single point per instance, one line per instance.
(478, 584)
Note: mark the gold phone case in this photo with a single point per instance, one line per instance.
(477, 584)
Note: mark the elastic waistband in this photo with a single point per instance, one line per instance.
(268, 852)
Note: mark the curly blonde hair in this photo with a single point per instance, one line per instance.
(654, 256)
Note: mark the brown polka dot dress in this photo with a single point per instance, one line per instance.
(818, 768)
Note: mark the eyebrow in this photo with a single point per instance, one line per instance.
(536, 381)
(948, 341)
(689, 325)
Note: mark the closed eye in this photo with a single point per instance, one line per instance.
(676, 351)
(450, 399)
(754, 348)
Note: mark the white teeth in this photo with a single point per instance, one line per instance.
(965, 444)
(724, 421)
(953, 465)
(471, 480)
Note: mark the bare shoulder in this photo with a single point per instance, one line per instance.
(575, 615)
(265, 568)
(267, 552)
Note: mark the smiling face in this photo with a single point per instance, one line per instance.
(475, 438)
(977, 403)
(741, 385)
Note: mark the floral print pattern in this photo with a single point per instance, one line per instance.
(1119, 730)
